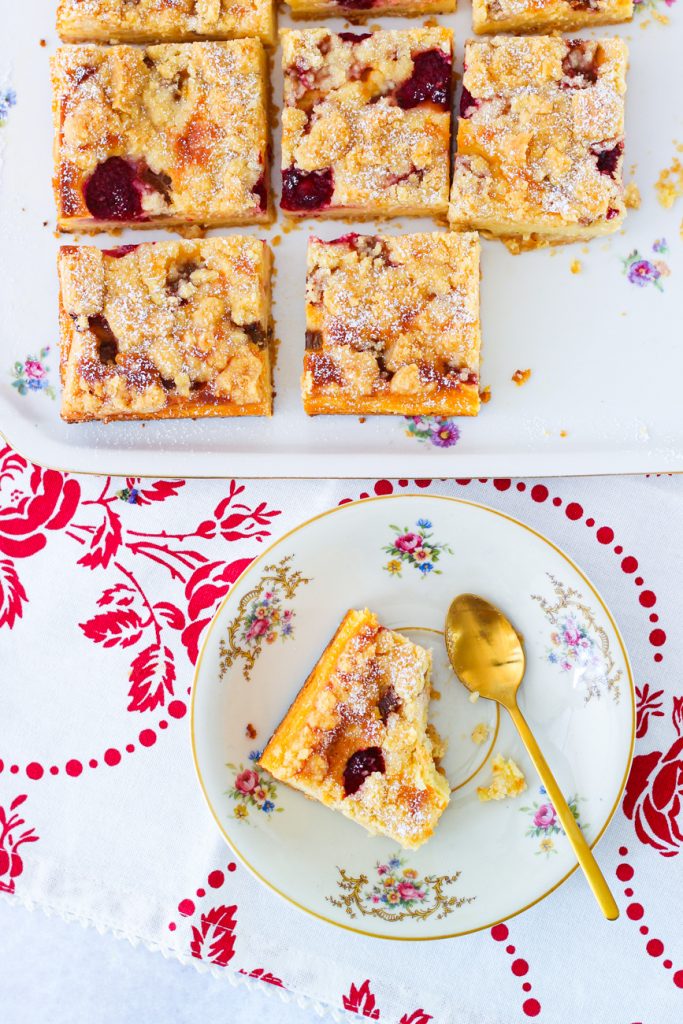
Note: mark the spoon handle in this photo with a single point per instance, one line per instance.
(588, 863)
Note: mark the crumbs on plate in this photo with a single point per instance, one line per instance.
(508, 781)
(576, 266)
(669, 184)
(480, 733)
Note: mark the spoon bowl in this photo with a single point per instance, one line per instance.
(487, 655)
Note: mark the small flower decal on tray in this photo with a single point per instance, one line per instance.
(262, 617)
(8, 99)
(544, 822)
(641, 271)
(32, 375)
(251, 788)
(578, 644)
(415, 548)
(397, 892)
(654, 7)
(436, 430)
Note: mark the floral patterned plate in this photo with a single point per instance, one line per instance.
(406, 557)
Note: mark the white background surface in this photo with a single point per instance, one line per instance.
(57, 973)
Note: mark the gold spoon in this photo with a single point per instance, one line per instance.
(487, 656)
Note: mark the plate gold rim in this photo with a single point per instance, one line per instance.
(258, 561)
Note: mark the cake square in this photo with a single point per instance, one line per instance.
(165, 330)
(356, 737)
(156, 21)
(392, 325)
(492, 16)
(366, 122)
(355, 8)
(541, 139)
(170, 134)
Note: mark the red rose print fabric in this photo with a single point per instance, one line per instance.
(107, 587)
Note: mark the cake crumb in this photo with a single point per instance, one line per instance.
(362, 419)
(436, 694)
(43, 42)
(474, 696)
(576, 266)
(276, 239)
(632, 197)
(480, 733)
(508, 781)
(485, 393)
(521, 377)
(563, 433)
(250, 731)
(669, 185)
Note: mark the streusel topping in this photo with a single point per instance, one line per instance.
(166, 131)
(540, 137)
(393, 314)
(154, 323)
(371, 112)
(173, 20)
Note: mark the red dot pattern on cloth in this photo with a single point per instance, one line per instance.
(657, 637)
(539, 492)
(177, 708)
(519, 967)
(148, 737)
(629, 564)
(635, 912)
(647, 599)
(186, 908)
(605, 535)
(573, 510)
(73, 768)
(502, 485)
(34, 770)
(112, 756)
(384, 487)
(216, 879)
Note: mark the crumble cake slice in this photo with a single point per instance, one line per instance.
(167, 21)
(493, 16)
(162, 135)
(366, 122)
(355, 8)
(165, 330)
(541, 139)
(356, 737)
(392, 325)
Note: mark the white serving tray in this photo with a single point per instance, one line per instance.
(605, 353)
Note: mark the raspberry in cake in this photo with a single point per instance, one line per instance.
(541, 139)
(492, 16)
(366, 122)
(165, 330)
(170, 134)
(392, 325)
(353, 8)
(167, 21)
(356, 737)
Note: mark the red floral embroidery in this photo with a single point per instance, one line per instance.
(416, 1017)
(32, 501)
(207, 586)
(260, 974)
(214, 938)
(647, 704)
(234, 521)
(11, 838)
(654, 793)
(361, 1000)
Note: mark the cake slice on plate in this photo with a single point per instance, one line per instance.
(356, 737)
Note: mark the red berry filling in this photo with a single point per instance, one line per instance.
(579, 65)
(112, 192)
(306, 190)
(608, 159)
(612, 213)
(357, 5)
(107, 342)
(119, 251)
(115, 189)
(260, 190)
(360, 765)
(388, 703)
(354, 37)
(430, 81)
(468, 104)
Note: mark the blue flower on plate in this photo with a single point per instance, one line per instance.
(267, 806)
(425, 567)
(426, 524)
(254, 755)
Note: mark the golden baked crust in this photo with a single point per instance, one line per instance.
(170, 134)
(352, 9)
(540, 139)
(392, 325)
(491, 16)
(356, 737)
(366, 122)
(149, 21)
(165, 330)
